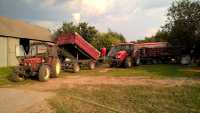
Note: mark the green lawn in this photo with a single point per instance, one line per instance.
(132, 99)
(128, 99)
(5, 77)
(154, 71)
(4, 74)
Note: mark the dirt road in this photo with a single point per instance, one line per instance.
(78, 81)
(21, 101)
(31, 98)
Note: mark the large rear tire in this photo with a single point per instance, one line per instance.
(128, 62)
(56, 68)
(15, 77)
(44, 73)
(76, 67)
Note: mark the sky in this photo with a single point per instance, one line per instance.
(135, 19)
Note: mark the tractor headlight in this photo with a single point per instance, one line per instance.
(67, 60)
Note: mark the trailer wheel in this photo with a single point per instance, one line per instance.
(128, 62)
(56, 68)
(76, 67)
(92, 65)
(15, 77)
(44, 73)
(185, 60)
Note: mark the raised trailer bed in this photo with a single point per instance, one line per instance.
(75, 52)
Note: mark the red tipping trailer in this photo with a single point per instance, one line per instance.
(76, 52)
(76, 40)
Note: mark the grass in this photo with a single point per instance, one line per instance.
(128, 99)
(5, 73)
(132, 99)
(153, 71)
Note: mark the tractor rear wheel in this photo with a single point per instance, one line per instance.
(76, 67)
(128, 62)
(56, 68)
(15, 77)
(92, 65)
(44, 73)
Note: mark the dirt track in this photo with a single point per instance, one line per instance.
(77, 81)
(31, 98)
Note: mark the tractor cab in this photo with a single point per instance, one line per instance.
(121, 49)
(121, 55)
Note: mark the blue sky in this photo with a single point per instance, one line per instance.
(135, 19)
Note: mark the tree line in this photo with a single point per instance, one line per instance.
(182, 27)
(91, 34)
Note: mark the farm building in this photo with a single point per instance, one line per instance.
(15, 33)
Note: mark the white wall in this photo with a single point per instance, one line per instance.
(3, 52)
(7, 51)
(12, 43)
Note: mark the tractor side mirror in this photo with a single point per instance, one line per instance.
(19, 51)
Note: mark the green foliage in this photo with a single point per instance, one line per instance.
(183, 23)
(161, 36)
(91, 34)
(86, 31)
(108, 39)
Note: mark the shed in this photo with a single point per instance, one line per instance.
(18, 33)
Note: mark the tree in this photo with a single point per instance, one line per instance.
(86, 31)
(108, 39)
(183, 24)
(91, 34)
(160, 36)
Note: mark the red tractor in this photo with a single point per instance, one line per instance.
(41, 61)
(125, 54)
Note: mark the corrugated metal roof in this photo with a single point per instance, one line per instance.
(20, 29)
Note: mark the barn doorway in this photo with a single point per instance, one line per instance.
(25, 43)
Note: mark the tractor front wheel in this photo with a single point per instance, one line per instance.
(44, 73)
(15, 77)
(128, 62)
(76, 67)
(56, 68)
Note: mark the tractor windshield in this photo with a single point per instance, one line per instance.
(118, 48)
(37, 50)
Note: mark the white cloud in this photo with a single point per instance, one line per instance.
(48, 3)
(76, 17)
(133, 18)
(96, 7)
(51, 25)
